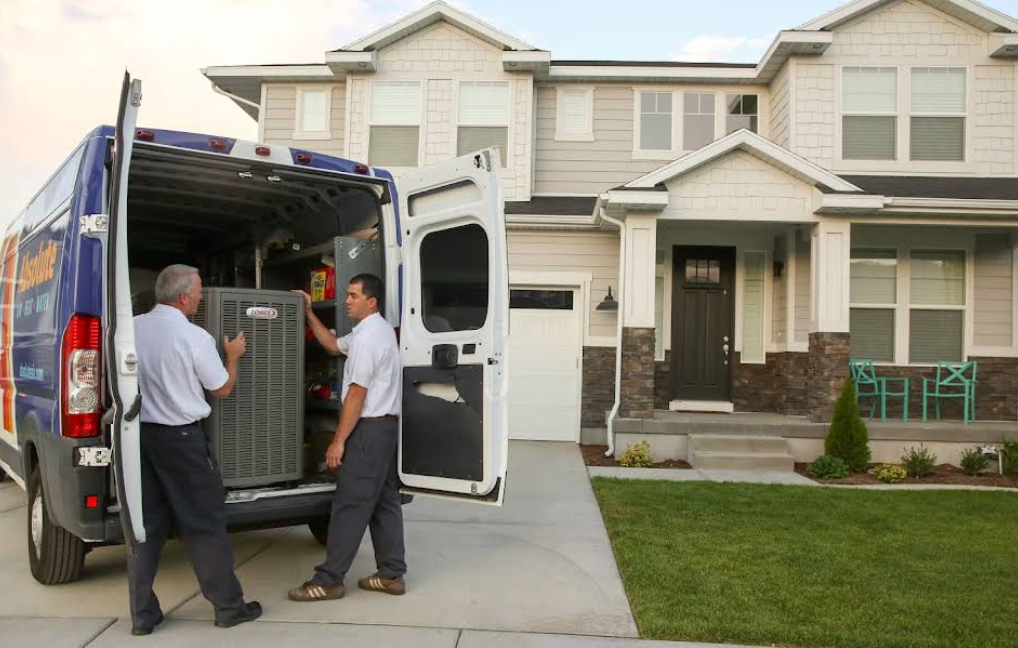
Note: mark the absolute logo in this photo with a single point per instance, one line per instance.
(38, 268)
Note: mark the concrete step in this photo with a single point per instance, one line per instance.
(742, 461)
(737, 443)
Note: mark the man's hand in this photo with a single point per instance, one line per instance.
(334, 455)
(307, 300)
(236, 347)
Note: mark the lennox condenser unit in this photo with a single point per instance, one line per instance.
(257, 433)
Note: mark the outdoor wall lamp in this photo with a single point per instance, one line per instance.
(608, 303)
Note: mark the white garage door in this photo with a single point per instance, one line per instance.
(544, 348)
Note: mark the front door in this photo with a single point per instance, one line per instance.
(702, 315)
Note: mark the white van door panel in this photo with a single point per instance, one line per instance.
(454, 426)
(121, 357)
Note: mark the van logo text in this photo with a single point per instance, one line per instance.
(38, 268)
(262, 312)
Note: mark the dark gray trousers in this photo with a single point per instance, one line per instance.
(367, 497)
(182, 489)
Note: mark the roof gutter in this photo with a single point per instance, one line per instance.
(237, 98)
(618, 341)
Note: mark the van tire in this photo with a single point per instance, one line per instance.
(320, 530)
(60, 555)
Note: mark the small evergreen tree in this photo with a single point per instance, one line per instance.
(847, 437)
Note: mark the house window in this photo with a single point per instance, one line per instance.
(394, 138)
(314, 106)
(697, 120)
(743, 112)
(937, 114)
(869, 113)
(703, 271)
(753, 308)
(936, 306)
(656, 121)
(874, 297)
(483, 117)
(574, 119)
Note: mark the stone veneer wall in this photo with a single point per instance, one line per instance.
(598, 385)
(828, 370)
(637, 373)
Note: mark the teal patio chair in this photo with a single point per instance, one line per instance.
(954, 380)
(869, 385)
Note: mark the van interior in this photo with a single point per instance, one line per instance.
(255, 225)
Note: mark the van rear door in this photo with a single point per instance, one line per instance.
(454, 430)
(121, 357)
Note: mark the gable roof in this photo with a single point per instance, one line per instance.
(974, 13)
(754, 145)
(428, 15)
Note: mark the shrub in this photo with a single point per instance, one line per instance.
(637, 456)
(891, 473)
(918, 462)
(1009, 457)
(847, 437)
(973, 461)
(827, 467)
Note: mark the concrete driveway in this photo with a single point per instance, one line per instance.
(541, 563)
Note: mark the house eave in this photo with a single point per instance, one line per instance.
(352, 62)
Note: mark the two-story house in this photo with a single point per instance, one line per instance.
(853, 193)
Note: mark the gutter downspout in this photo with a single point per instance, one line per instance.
(242, 100)
(618, 341)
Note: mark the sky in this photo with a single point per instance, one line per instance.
(62, 61)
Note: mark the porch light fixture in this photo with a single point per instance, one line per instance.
(608, 303)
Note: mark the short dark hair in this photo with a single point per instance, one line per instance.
(371, 286)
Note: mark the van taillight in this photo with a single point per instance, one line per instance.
(145, 135)
(361, 168)
(81, 362)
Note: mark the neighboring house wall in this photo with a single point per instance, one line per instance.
(904, 34)
(994, 292)
(571, 252)
(279, 118)
(440, 57)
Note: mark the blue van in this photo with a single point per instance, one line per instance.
(129, 201)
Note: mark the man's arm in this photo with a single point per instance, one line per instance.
(353, 405)
(322, 334)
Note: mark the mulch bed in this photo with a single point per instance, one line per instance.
(593, 455)
(942, 474)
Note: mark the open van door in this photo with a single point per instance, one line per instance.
(120, 354)
(454, 428)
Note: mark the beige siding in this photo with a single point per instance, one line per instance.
(280, 119)
(779, 296)
(737, 183)
(780, 107)
(815, 109)
(802, 290)
(588, 167)
(993, 291)
(993, 118)
(592, 252)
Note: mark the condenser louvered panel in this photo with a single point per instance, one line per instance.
(257, 432)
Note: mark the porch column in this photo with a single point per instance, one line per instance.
(638, 318)
(829, 340)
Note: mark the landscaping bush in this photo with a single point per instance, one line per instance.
(918, 462)
(637, 456)
(1009, 456)
(827, 467)
(847, 437)
(891, 473)
(973, 461)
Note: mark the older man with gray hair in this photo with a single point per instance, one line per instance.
(181, 484)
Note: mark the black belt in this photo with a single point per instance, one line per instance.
(387, 417)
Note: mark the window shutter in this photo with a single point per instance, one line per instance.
(573, 109)
(312, 105)
(868, 138)
(396, 103)
(752, 309)
(872, 333)
(869, 90)
(393, 146)
(938, 90)
(935, 335)
(937, 138)
(484, 103)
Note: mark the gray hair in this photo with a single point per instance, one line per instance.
(174, 281)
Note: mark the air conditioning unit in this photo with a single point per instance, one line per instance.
(257, 433)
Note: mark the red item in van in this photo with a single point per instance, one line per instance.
(323, 284)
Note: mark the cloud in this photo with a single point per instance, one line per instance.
(61, 64)
(713, 48)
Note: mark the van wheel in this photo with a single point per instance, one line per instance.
(54, 554)
(320, 530)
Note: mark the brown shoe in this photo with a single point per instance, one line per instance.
(375, 583)
(312, 591)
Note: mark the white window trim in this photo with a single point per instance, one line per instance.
(966, 132)
(900, 138)
(723, 103)
(326, 134)
(421, 130)
(676, 150)
(588, 132)
(510, 115)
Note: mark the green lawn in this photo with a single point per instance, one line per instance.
(800, 566)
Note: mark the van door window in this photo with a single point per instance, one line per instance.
(454, 279)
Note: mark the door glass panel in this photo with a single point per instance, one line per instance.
(541, 299)
(703, 271)
(454, 279)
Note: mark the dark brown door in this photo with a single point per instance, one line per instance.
(702, 314)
